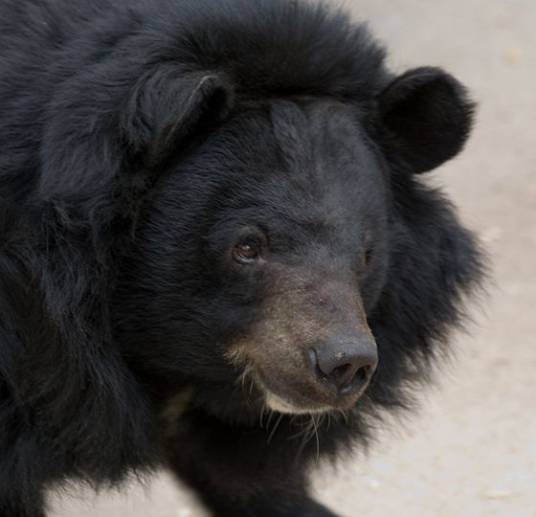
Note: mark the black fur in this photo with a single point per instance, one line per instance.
(134, 138)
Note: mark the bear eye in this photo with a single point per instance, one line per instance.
(247, 251)
(367, 257)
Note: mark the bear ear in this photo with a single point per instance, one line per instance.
(425, 118)
(166, 107)
(99, 121)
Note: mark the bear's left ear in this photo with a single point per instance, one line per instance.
(425, 118)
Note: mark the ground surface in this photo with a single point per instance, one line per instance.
(472, 449)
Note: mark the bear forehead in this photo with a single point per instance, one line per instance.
(308, 157)
(325, 141)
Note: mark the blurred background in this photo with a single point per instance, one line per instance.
(471, 450)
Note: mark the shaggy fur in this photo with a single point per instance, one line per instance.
(136, 137)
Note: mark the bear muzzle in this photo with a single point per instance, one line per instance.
(311, 349)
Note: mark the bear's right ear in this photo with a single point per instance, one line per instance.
(425, 118)
(99, 119)
(166, 107)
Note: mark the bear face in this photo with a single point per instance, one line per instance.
(275, 260)
(289, 247)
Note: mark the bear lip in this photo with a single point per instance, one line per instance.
(276, 403)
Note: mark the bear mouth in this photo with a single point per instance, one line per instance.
(295, 404)
(275, 403)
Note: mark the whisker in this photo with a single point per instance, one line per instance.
(305, 426)
(344, 415)
(317, 438)
(264, 409)
(328, 416)
(307, 435)
(276, 425)
(270, 415)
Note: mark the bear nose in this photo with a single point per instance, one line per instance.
(347, 366)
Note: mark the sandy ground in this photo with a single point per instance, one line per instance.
(471, 451)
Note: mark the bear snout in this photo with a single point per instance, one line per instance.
(311, 348)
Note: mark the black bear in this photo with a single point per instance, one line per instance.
(217, 255)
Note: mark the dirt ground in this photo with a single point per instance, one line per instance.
(471, 451)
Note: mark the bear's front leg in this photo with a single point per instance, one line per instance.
(238, 472)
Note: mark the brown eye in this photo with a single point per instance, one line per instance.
(246, 252)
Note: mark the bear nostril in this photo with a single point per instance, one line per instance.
(362, 375)
(348, 370)
(342, 374)
(360, 380)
